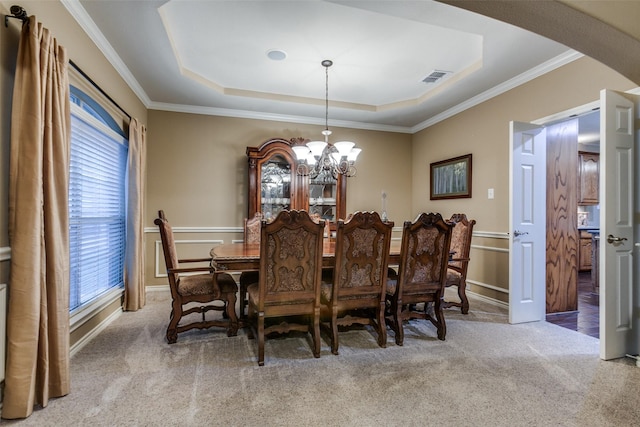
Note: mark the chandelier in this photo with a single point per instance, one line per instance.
(321, 158)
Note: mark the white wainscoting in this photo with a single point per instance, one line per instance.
(490, 235)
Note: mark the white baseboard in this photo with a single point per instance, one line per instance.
(488, 300)
(94, 332)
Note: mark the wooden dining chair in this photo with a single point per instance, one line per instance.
(289, 279)
(317, 218)
(459, 261)
(357, 293)
(213, 286)
(422, 274)
(252, 228)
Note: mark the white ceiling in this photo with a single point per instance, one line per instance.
(210, 57)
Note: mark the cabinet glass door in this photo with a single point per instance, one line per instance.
(275, 183)
(322, 196)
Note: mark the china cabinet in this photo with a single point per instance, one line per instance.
(588, 178)
(274, 184)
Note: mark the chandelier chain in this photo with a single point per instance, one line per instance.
(326, 97)
(332, 160)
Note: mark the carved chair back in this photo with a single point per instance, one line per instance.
(459, 263)
(252, 228)
(424, 254)
(169, 250)
(362, 255)
(461, 242)
(291, 260)
(316, 217)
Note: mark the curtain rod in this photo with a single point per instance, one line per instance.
(18, 12)
(73, 64)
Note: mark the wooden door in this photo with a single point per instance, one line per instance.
(562, 217)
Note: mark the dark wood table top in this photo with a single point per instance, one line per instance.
(246, 256)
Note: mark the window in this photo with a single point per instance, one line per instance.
(97, 204)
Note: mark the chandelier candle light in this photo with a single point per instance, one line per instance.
(322, 157)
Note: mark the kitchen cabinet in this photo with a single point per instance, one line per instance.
(274, 184)
(588, 178)
(584, 251)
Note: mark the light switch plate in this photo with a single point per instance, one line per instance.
(490, 193)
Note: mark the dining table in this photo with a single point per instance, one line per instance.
(240, 257)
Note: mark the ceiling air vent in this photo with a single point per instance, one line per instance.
(435, 76)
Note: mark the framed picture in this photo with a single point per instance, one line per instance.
(451, 178)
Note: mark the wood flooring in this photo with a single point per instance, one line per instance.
(586, 319)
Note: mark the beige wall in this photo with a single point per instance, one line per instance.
(484, 132)
(197, 173)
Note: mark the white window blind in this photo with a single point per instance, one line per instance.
(97, 206)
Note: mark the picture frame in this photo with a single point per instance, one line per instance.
(451, 178)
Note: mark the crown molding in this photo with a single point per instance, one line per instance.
(546, 67)
(84, 20)
(257, 115)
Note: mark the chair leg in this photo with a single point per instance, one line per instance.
(462, 293)
(261, 339)
(251, 322)
(440, 322)
(172, 329)
(316, 333)
(382, 327)
(232, 331)
(334, 331)
(243, 300)
(397, 320)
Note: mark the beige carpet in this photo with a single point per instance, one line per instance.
(487, 373)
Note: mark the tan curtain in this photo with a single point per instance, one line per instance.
(134, 290)
(38, 313)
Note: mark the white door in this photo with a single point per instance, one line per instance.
(527, 222)
(617, 289)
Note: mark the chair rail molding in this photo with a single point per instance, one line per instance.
(491, 234)
(198, 230)
(5, 253)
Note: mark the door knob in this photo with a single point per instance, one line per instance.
(517, 233)
(613, 239)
